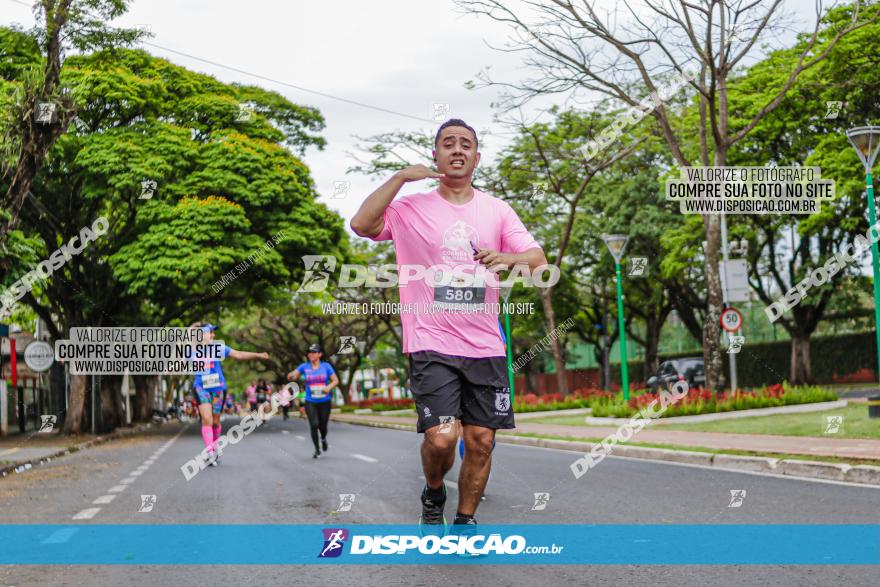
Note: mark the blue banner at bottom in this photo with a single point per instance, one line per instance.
(523, 544)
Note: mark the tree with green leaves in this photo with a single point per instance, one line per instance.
(577, 49)
(808, 130)
(36, 61)
(546, 175)
(227, 187)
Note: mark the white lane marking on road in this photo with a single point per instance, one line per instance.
(365, 458)
(452, 484)
(60, 536)
(116, 488)
(128, 480)
(143, 468)
(104, 499)
(136, 473)
(87, 514)
(285, 432)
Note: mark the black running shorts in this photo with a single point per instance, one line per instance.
(476, 391)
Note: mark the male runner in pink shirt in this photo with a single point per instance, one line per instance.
(457, 358)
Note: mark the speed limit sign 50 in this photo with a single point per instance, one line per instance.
(731, 319)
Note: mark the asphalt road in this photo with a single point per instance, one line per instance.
(269, 477)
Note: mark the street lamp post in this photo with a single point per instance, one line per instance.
(505, 297)
(866, 140)
(400, 370)
(616, 244)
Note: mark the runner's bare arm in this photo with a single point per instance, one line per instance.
(370, 218)
(293, 375)
(532, 257)
(247, 355)
(334, 382)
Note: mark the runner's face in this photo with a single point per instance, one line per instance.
(456, 152)
(314, 357)
(209, 336)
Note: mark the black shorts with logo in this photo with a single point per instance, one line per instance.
(476, 391)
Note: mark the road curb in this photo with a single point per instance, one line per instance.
(746, 463)
(861, 474)
(833, 471)
(28, 465)
(864, 474)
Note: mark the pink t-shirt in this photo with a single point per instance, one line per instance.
(251, 392)
(429, 231)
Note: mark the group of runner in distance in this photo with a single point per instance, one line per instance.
(458, 371)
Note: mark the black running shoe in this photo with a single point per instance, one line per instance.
(465, 527)
(317, 454)
(324, 444)
(432, 512)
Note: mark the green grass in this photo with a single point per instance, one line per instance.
(772, 455)
(856, 424)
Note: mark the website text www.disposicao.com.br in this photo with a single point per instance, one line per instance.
(452, 544)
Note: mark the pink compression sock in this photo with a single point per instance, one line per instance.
(216, 431)
(207, 436)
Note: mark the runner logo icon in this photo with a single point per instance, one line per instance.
(318, 270)
(334, 540)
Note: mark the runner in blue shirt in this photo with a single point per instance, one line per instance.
(210, 390)
(320, 380)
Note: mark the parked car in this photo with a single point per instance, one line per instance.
(690, 369)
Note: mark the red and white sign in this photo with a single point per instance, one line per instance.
(731, 319)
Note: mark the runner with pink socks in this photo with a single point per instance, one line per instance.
(210, 389)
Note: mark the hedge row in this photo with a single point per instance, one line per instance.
(765, 363)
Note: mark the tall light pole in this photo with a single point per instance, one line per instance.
(505, 297)
(616, 244)
(398, 330)
(866, 140)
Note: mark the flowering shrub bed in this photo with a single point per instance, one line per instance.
(703, 401)
(383, 404)
(380, 404)
(579, 398)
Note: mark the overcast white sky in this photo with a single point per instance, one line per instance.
(402, 55)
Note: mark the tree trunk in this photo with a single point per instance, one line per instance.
(800, 359)
(712, 324)
(712, 356)
(345, 389)
(558, 355)
(601, 353)
(140, 409)
(111, 403)
(37, 139)
(74, 422)
(652, 348)
(56, 386)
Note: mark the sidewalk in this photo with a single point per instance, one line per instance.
(22, 451)
(853, 448)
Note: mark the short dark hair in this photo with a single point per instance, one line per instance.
(456, 122)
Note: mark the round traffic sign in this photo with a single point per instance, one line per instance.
(731, 319)
(39, 356)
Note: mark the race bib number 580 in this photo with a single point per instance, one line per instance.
(450, 294)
